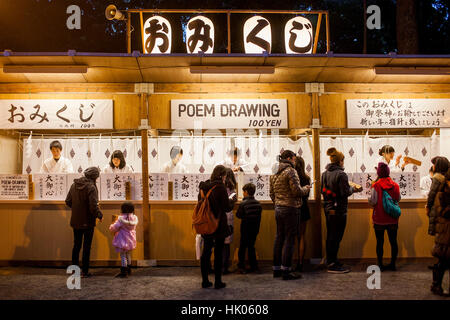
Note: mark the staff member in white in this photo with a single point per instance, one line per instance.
(174, 165)
(235, 162)
(387, 154)
(425, 183)
(117, 164)
(57, 163)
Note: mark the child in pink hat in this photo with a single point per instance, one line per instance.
(124, 241)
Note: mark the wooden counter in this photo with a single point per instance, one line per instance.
(40, 231)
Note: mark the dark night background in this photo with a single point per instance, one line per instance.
(408, 26)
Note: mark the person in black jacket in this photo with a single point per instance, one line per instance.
(336, 190)
(83, 199)
(220, 204)
(250, 212)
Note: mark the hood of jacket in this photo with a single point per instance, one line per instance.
(129, 221)
(385, 183)
(82, 183)
(283, 165)
(334, 167)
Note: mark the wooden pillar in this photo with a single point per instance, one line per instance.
(145, 170)
(317, 220)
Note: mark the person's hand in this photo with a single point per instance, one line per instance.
(236, 169)
(397, 161)
(308, 186)
(234, 198)
(359, 189)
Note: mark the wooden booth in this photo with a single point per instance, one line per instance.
(318, 91)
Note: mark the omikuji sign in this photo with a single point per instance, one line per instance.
(229, 114)
(398, 113)
(56, 114)
(199, 35)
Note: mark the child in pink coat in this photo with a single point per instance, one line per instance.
(124, 241)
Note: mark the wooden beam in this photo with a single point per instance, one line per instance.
(145, 186)
(67, 87)
(387, 87)
(228, 87)
(317, 211)
(316, 35)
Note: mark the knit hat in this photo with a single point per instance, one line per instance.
(92, 173)
(335, 156)
(383, 170)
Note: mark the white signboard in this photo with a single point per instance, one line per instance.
(398, 113)
(72, 176)
(112, 185)
(409, 183)
(56, 114)
(262, 184)
(50, 186)
(229, 114)
(14, 187)
(158, 186)
(186, 186)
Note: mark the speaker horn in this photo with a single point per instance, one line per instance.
(112, 13)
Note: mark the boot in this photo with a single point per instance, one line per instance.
(436, 287)
(123, 273)
(129, 270)
(289, 275)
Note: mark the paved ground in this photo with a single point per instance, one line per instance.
(410, 281)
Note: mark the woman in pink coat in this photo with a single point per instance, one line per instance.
(124, 241)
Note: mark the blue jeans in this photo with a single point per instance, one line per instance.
(287, 229)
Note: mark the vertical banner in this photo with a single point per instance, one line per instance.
(365, 180)
(409, 183)
(158, 184)
(50, 186)
(112, 185)
(262, 184)
(186, 186)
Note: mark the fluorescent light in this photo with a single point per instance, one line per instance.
(45, 68)
(233, 69)
(413, 70)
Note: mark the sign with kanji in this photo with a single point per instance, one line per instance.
(186, 186)
(158, 185)
(50, 186)
(398, 113)
(56, 114)
(365, 180)
(262, 184)
(112, 185)
(409, 183)
(14, 187)
(72, 176)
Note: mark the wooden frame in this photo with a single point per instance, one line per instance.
(228, 13)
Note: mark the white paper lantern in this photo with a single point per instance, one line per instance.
(200, 35)
(257, 35)
(157, 35)
(298, 36)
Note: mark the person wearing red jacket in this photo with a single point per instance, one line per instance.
(381, 220)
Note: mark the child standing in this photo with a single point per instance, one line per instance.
(250, 212)
(124, 240)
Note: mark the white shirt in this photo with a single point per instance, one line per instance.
(425, 185)
(391, 165)
(108, 169)
(228, 163)
(170, 167)
(63, 165)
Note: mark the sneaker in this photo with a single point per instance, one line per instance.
(290, 275)
(206, 284)
(241, 271)
(219, 285)
(277, 273)
(336, 268)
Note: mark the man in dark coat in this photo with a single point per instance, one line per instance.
(336, 190)
(83, 199)
(219, 204)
